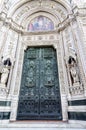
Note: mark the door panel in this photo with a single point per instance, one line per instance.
(39, 97)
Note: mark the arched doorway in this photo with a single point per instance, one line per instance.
(40, 35)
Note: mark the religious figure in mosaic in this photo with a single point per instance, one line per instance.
(41, 23)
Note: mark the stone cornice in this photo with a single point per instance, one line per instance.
(79, 11)
(70, 18)
(10, 23)
(60, 27)
(19, 29)
(39, 32)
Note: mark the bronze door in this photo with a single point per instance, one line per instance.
(39, 97)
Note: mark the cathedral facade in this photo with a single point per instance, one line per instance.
(43, 63)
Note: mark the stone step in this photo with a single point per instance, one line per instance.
(40, 129)
(40, 126)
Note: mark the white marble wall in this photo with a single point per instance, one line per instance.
(69, 33)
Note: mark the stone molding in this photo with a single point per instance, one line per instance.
(9, 22)
(18, 28)
(60, 27)
(77, 12)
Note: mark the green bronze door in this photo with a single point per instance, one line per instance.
(39, 97)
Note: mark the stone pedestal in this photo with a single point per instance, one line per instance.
(77, 88)
(3, 90)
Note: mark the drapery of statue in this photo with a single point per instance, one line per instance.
(4, 71)
(39, 97)
(74, 75)
(76, 86)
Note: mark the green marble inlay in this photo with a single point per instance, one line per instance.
(5, 103)
(4, 115)
(77, 116)
(77, 102)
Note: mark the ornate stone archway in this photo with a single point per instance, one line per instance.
(65, 38)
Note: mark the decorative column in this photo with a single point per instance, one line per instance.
(80, 53)
(16, 78)
(4, 69)
(62, 76)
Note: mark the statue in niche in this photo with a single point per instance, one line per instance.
(4, 74)
(73, 70)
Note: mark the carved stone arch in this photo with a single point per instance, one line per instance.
(18, 4)
(18, 7)
(28, 16)
(22, 17)
(39, 8)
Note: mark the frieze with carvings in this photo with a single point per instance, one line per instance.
(41, 38)
(43, 4)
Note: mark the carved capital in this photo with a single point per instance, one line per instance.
(79, 11)
(25, 46)
(70, 18)
(10, 23)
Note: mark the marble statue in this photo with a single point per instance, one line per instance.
(4, 74)
(73, 70)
